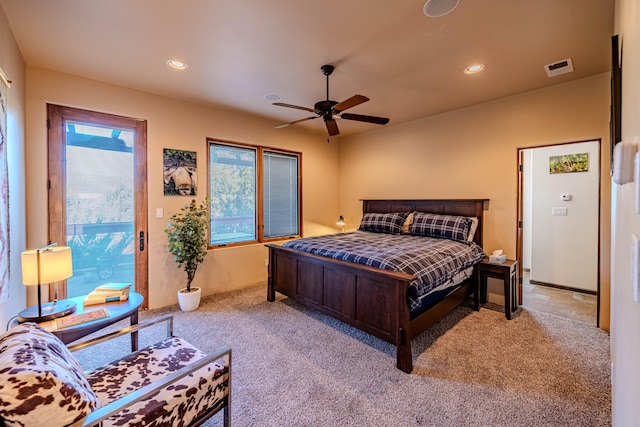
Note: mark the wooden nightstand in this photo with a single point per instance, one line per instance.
(508, 273)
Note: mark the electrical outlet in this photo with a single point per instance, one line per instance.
(612, 372)
(635, 262)
(266, 262)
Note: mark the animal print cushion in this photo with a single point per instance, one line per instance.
(40, 381)
(179, 404)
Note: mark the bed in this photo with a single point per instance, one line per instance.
(379, 301)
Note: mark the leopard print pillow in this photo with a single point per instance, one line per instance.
(40, 381)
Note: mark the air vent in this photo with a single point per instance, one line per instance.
(560, 67)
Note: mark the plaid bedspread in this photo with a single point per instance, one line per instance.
(432, 261)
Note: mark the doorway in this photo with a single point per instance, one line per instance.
(558, 229)
(98, 197)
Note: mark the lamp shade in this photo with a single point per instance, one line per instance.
(46, 265)
(340, 221)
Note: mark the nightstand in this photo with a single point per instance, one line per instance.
(508, 273)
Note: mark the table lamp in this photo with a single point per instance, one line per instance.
(341, 223)
(44, 265)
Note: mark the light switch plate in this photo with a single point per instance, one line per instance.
(559, 211)
(636, 271)
(637, 175)
(159, 212)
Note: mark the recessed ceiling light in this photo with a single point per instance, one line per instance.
(272, 97)
(438, 8)
(474, 69)
(177, 65)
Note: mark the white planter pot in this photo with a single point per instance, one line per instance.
(189, 301)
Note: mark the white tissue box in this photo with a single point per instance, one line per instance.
(498, 259)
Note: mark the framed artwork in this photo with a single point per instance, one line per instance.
(180, 173)
(569, 163)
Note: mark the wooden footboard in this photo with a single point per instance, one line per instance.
(367, 298)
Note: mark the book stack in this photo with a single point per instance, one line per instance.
(108, 292)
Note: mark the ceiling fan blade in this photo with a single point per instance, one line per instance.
(332, 127)
(284, 125)
(368, 119)
(297, 107)
(351, 102)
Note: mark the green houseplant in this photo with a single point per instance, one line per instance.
(187, 242)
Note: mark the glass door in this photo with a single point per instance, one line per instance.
(94, 171)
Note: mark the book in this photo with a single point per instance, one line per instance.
(102, 299)
(109, 293)
(76, 319)
(110, 287)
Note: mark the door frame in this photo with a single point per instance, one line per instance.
(57, 117)
(520, 223)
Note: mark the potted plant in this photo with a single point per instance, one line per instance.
(187, 242)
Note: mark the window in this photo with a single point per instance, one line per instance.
(255, 193)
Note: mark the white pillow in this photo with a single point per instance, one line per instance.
(472, 229)
(407, 223)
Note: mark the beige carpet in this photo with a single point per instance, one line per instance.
(295, 367)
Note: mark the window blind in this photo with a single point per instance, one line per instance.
(280, 191)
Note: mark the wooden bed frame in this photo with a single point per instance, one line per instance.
(370, 299)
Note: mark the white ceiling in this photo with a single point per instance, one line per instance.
(408, 64)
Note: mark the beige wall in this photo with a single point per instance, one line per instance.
(625, 312)
(13, 65)
(472, 153)
(174, 124)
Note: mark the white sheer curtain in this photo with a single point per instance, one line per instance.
(4, 192)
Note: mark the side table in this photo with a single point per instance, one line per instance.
(508, 273)
(117, 311)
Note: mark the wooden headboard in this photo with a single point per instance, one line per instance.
(463, 207)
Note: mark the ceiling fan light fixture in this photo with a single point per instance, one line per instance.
(177, 65)
(330, 110)
(438, 8)
(473, 69)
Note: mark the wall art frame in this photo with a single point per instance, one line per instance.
(180, 172)
(568, 163)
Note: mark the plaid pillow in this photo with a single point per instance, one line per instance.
(440, 226)
(383, 222)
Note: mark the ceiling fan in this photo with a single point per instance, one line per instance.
(329, 109)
